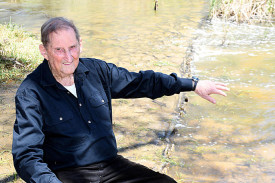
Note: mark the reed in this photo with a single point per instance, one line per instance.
(248, 11)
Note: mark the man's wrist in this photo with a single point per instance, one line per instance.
(195, 81)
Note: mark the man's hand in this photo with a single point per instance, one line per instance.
(205, 88)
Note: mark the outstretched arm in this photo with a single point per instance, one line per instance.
(205, 88)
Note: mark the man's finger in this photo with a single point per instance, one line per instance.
(210, 99)
(222, 88)
(220, 83)
(219, 92)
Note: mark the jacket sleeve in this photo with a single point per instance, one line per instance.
(125, 84)
(28, 141)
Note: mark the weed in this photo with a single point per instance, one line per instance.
(19, 53)
(249, 11)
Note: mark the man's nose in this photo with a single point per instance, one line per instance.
(68, 56)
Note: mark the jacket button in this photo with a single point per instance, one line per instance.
(80, 104)
(89, 122)
(102, 100)
(60, 118)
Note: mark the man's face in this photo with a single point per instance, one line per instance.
(62, 52)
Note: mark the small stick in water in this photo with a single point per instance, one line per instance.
(156, 5)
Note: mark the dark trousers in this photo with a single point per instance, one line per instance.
(116, 170)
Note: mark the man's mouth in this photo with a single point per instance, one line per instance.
(67, 63)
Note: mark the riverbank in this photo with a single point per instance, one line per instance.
(18, 56)
(7, 118)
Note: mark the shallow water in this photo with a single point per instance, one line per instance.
(232, 141)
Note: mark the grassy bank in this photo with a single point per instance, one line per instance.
(19, 52)
(248, 11)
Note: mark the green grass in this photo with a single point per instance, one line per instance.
(248, 11)
(19, 53)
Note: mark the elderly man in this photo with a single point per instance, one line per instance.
(63, 128)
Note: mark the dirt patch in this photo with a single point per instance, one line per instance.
(7, 118)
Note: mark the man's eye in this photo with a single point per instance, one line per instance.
(59, 50)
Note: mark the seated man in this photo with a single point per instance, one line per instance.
(63, 129)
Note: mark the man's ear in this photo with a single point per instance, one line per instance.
(43, 51)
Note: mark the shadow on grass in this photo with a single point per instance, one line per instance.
(134, 146)
(160, 137)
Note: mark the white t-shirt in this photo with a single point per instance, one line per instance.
(72, 89)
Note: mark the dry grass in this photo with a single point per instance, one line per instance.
(248, 11)
(19, 52)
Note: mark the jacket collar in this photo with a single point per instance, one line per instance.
(81, 70)
(47, 78)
